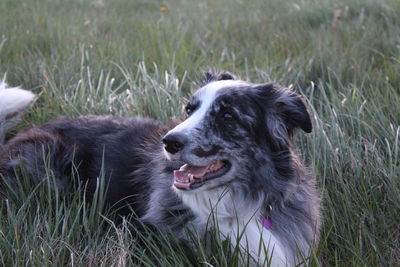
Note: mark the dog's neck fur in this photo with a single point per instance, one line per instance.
(239, 220)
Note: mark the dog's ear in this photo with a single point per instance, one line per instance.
(293, 111)
(218, 76)
(288, 105)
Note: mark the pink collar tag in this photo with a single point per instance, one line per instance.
(266, 222)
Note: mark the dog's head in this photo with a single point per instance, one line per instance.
(233, 128)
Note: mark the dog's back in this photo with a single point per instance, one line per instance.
(95, 147)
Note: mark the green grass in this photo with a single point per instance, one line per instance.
(136, 58)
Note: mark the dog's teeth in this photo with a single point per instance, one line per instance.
(211, 166)
(191, 178)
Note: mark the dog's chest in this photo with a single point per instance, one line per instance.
(238, 222)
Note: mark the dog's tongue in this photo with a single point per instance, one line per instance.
(188, 173)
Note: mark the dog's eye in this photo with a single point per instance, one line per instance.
(227, 116)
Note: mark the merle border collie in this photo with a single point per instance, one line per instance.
(231, 158)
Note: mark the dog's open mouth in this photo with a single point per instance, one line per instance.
(191, 177)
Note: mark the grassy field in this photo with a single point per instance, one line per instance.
(132, 57)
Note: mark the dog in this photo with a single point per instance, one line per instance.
(231, 163)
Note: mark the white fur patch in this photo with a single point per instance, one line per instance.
(235, 218)
(13, 100)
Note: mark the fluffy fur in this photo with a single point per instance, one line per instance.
(12, 101)
(246, 128)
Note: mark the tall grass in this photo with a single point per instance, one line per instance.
(142, 58)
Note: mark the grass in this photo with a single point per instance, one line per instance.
(142, 58)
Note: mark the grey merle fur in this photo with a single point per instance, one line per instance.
(257, 132)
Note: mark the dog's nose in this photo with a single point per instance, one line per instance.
(174, 142)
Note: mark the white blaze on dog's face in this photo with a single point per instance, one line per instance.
(205, 97)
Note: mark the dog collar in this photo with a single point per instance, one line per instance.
(266, 222)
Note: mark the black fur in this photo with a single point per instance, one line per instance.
(88, 143)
